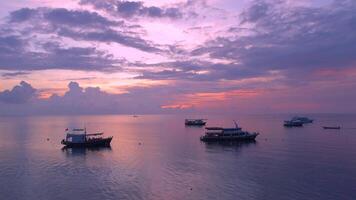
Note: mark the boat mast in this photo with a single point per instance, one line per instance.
(236, 124)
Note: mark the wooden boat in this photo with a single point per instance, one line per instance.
(80, 138)
(213, 134)
(331, 127)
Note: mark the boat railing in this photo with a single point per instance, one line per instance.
(95, 134)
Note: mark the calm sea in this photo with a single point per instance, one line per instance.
(157, 157)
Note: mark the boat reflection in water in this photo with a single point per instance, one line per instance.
(229, 144)
(83, 151)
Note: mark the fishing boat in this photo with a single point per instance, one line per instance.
(293, 123)
(331, 127)
(195, 122)
(304, 120)
(80, 138)
(227, 134)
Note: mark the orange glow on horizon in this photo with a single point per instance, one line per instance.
(210, 99)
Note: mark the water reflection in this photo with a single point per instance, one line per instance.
(69, 151)
(229, 144)
(157, 157)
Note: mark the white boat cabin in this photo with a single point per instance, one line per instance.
(79, 135)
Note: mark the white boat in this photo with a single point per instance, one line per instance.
(227, 134)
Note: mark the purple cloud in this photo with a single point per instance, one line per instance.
(14, 55)
(130, 9)
(10, 75)
(295, 40)
(80, 25)
(19, 94)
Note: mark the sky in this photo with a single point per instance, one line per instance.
(195, 56)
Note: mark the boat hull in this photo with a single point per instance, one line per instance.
(194, 124)
(293, 124)
(103, 142)
(228, 138)
(327, 127)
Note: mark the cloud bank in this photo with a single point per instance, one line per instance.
(186, 55)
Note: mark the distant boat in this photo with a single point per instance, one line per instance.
(195, 122)
(227, 134)
(331, 127)
(304, 120)
(293, 123)
(80, 138)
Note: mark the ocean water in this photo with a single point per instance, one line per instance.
(157, 157)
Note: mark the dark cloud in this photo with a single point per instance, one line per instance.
(197, 70)
(19, 94)
(79, 100)
(255, 12)
(14, 74)
(135, 8)
(14, 55)
(293, 39)
(110, 36)
(80, 25)
(17, 52)
(130, 9)
(78, 18)
(62, 16)
(22, 14)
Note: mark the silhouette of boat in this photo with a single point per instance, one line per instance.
(194, 122)
(293, 123)
(227, 134)
(304, 120)
(80, 138)
(331, 127)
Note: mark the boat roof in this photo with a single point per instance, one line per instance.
(78, 129)
(82, 131)
(90, 134)
(94, 134)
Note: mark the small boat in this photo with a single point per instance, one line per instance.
(304, 120)
(80, 138)
(227, 134)
(195, 122)
(293, 123)
(331, 127)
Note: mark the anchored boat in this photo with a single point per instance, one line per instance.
(297, 121)
(293, 123)
(227, 134)
(80, 138)
(304, 120)
(195, 122)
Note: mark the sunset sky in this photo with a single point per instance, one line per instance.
(156, 56)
